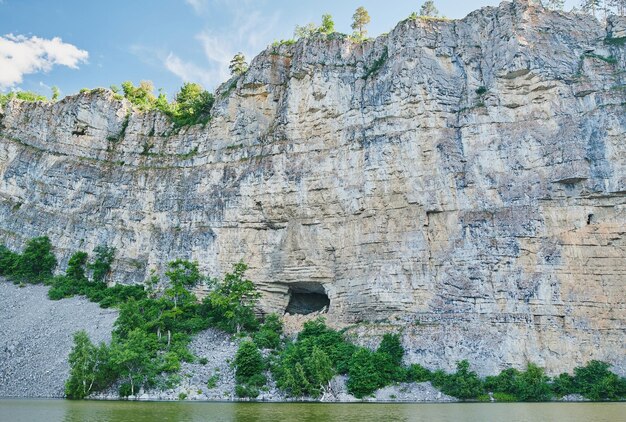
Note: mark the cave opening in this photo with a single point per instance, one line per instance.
(306, 298)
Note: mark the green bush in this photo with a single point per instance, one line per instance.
(28, 96)
(365, 377)
(529, 385)
(76, 267)
(268, 336)
(243, 391)
(36, 262)
(248, 362)
(463, 384)
(230, 305)
(504, 397)
(249, 367)
(596, 382)
(101, 265)
(391, 345)
(417, 373)
(8, 261)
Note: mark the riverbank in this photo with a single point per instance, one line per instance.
(37, 340)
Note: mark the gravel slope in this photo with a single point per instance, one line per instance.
(36, 338)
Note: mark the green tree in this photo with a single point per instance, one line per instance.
(183, 275)
(141, 95)
(321, 369)
(532, 385)
(238, 65)
(463, 384)
(134, 358)
(8, 261)
(233, 300)
(596, 382)
(37, 261)
(101, 265)
(364, 374)
(305, 31)
(360, 19)
(88, 367)
(192, 104)
(391, 345)
(248, 362)
(76, 267)
(55, 93)
(296, 381)
(268, 336)
(429, 9)
(328, 24)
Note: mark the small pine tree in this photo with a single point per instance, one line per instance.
(55, 93)
(238, 65)
(305, 31)
(360, 19)
(328, 25)
(429, 9)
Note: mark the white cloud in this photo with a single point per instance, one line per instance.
(198, 5)
(20, 56)
(248, 31)
(189, 72)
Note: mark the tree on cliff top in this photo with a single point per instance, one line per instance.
(238, 64)
(554, 4)
(328, 25)
(429, 9)
(360, 19)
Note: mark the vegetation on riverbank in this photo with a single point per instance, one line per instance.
(157, 321)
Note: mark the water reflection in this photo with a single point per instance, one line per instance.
(98, 411)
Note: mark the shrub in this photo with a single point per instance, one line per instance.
(249, 370)
(364, 374)
(417, 373)
(529, 385)
(463, 384)
(248, 362)
(268, 336)
(504, 397)
(8, 261)
(37, 261)
(243, 391)
(231, 303)
(596, 382)
(101, 265)
(391, 345)
(76, 267)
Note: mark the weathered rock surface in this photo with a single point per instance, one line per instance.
(463, 180)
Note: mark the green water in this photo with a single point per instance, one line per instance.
(87, 411)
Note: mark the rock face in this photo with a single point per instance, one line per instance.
(463, 180)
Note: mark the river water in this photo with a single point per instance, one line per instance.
(87, 411)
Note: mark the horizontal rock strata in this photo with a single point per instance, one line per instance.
(464, 180)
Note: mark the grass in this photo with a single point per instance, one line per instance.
(609, 59)
(619, 41)
(377, 65)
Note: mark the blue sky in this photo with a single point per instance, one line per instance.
(165, 41)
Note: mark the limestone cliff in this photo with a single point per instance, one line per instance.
(464, 180)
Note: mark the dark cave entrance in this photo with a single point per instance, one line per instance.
(306, 298)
